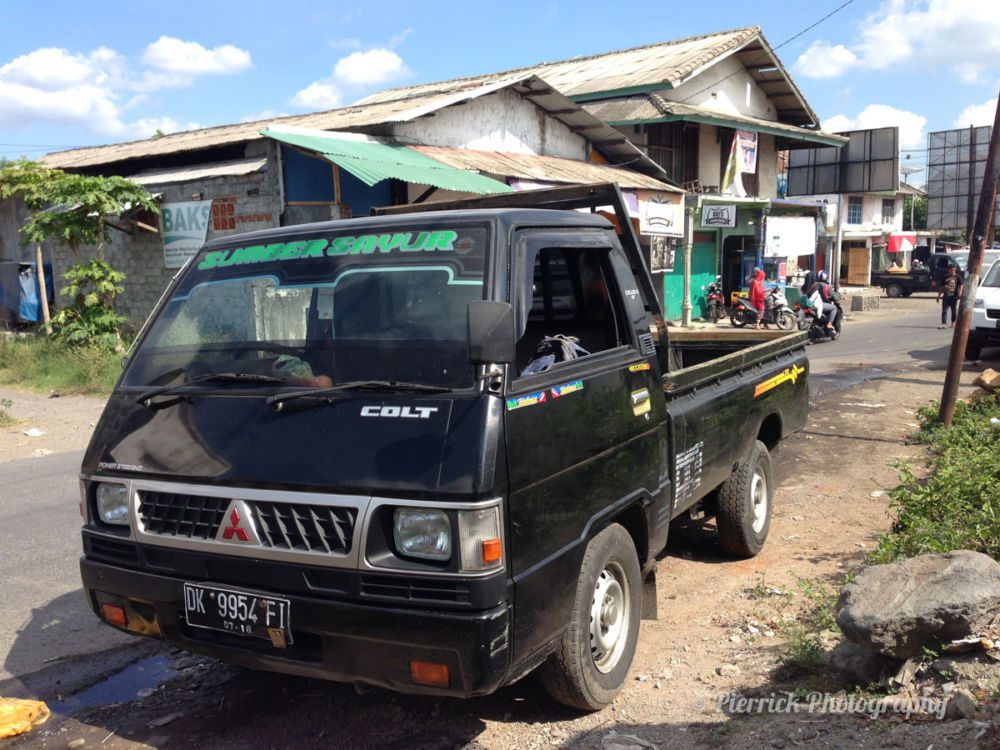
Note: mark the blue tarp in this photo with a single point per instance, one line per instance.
(19, 292)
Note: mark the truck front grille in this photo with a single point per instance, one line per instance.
(994, 314)
(283, 526)
(188, 516)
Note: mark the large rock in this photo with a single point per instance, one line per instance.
(860, 665)
(899, 609)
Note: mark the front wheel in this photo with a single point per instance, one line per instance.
(894, 290)
(743, 516)
(736, 318)
(785, 320)
(595, 654)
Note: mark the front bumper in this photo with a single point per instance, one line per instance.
(333, 640)
(984, 329)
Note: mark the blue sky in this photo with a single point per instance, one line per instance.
(75, 74)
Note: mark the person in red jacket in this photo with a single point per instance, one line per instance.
(757, 295)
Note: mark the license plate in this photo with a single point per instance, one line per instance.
(238, 612)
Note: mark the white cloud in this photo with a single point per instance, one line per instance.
(346, 43)
(354, 72)
(977, 114)
(911, 125)
(961, 34)
(823, 61)
(87, 90)
(318, 95)
(174, 55)
(370, 68)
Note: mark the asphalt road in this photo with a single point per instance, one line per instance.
(45, 616)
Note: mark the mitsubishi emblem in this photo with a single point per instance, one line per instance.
(237, 525)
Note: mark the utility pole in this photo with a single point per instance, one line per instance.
(834, 260)
(984, 216)
(688, 240)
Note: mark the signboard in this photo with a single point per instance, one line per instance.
(718, 215)
(901, 243)
(956, 165)
(789, 236)
(868, 163)
(742, 159)
(662, 251)
(185, 226)
(660, 214)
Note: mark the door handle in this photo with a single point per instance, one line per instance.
(640, 402)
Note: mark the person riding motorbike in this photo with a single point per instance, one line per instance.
(829, 309)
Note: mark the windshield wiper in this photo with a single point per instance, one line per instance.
(279, 399)
(209, 377)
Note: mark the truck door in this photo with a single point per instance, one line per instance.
(583, 435)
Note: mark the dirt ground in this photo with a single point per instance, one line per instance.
(721, 628)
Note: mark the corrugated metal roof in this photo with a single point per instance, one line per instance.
(190, 174)
(542, 168)
(657, 108)
(655, 66)
(605, 139)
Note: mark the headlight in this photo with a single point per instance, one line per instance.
(422, 533)
(112, 503)
(479, 539)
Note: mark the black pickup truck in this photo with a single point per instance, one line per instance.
(429, 451)
(926, 279)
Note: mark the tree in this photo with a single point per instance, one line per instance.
(71, 209)
(915, 206)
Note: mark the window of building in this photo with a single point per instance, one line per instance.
(855, 210)
(888, 210)
(674, 146)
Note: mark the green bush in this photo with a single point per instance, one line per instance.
(90, 319)
(50, 364)
(958, 505)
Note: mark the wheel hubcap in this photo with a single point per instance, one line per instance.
(609, 617)
(758, 495)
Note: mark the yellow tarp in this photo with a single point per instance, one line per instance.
(20, 716)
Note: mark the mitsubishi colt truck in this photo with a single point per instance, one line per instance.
(426, 450)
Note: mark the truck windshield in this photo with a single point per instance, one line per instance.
(322, 310)
(992, 277)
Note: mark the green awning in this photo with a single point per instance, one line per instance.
(373, 162)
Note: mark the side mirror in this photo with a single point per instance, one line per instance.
(491, 332)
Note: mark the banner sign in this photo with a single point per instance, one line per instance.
(901, 243)
(723, 215)
(660, 213)
(185, 226)
(662, 251)
(742, 158)
(789, 236)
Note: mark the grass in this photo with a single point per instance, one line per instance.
(45, 365)
(6, 420)
(806, 649)
(958, 505)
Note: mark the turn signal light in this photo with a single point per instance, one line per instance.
(491, 551)
(430, 673)
(114, 614)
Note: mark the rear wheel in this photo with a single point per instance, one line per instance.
(785, 320)
(736, 318)
(894, 290)
(973, 347)
(595, 654)
(744, 505)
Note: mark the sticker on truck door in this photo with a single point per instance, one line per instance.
(788, 375)
(687, 478)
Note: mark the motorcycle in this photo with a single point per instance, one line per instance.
(813, 321)
(716, 302)
(776, 312)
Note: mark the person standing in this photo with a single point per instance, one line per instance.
(948, 295)
(757, 295)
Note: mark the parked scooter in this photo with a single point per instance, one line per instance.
(811, 319)
(776, 311)
(716, 301)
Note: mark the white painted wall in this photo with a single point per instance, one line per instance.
(725, 87)
(871, 214)
(502, 121)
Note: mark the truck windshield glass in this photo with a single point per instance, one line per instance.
(992, 277)
(323, 310)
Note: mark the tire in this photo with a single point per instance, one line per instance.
(907, 292)
(786, 320)
(893, 290)
(736, 319)
(585, 671)
(716, 313)
(745, 501)
(973, 347)
(837, 326)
